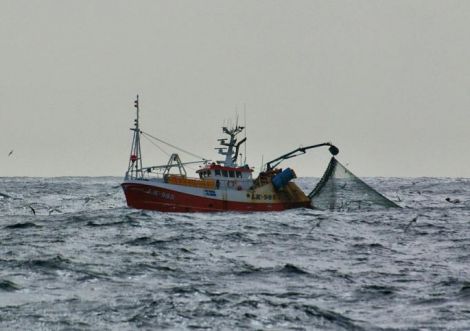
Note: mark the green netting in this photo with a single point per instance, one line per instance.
(340, 189)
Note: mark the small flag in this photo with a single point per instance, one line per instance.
(136, 103)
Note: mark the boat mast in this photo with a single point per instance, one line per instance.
(244, 119)
(134, 169)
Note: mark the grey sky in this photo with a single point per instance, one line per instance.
(387, 81)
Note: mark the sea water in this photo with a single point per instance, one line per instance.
(74, 257)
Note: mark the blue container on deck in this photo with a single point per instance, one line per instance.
(281, 179)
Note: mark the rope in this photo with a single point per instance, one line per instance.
(173, 146)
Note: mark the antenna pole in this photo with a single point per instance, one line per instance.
(136, 105)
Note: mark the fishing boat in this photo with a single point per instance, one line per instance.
(217, 186)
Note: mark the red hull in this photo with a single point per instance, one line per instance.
(148, 197)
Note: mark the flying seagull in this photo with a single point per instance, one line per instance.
(32, 209)
(11, 152)
(414, 220)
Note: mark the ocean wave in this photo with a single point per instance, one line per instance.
(93, 263)
(8, 285)
(23, 225)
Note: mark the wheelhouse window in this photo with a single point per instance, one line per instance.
(224, 173)
(239, 174)
(232, 173)
(204, 174)
(217, 172)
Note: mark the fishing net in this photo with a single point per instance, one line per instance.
(340, 189)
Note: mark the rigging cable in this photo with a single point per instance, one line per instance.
(163, 151)
(154, 144)
(178, 148)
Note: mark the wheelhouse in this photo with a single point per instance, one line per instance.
(220, 172)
